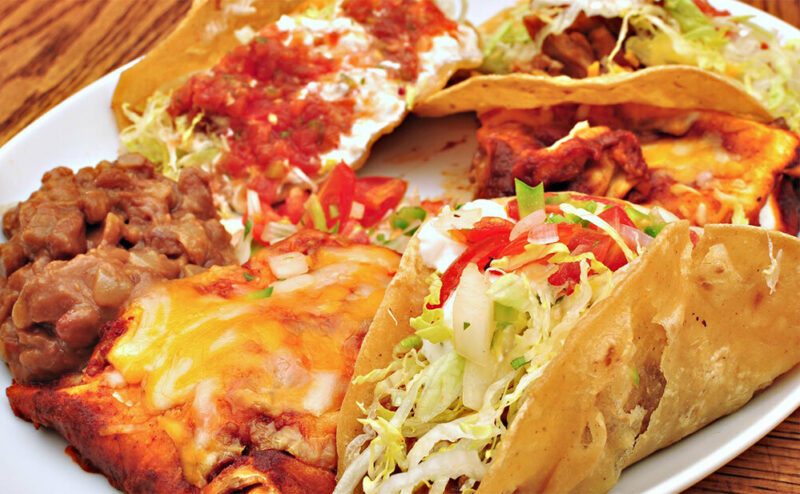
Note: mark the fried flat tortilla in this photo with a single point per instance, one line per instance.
(203, 36)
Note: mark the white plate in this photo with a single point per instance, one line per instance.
(432, 155)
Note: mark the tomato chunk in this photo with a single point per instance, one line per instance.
(378, 195)
(336, 195)
(480, 253)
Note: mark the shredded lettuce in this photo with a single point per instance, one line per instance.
(448, 438)
(601, 224)
(511, 290)
(430, 324)
(510, 41)
(442, 386)
(171, 143)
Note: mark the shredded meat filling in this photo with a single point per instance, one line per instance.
(579, 51)
(587, 162)
(83, 244)
(700, 165)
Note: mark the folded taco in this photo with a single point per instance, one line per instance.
(679, 53)
(547, 353)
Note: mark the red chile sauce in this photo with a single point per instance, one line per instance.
(253, 92)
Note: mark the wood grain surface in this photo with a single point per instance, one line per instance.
(50, 49)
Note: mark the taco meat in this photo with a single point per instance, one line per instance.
(701, 165)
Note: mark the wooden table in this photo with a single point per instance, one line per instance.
(51, 49)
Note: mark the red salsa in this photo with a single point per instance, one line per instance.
(403, 28)
(252, 97)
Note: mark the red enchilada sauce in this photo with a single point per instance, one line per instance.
(252, 97)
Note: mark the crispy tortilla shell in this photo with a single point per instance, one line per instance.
(402, 300)
(192, 47)
(702, 328)
(671, 86)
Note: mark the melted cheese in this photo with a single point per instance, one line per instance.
(688, 158)
(203, 361)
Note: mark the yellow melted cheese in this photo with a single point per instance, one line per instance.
(686, 158)
(204, 360)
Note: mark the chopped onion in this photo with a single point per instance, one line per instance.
(634, 236)
(546, 233)
(276, 231)
(319, 397)
(292, 284)
(245, 34)
(472, 316)
(357, 211)
(527, 223)
(288, 265)
(477, 379)
(253, 204)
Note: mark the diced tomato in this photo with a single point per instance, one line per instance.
(294, 206)
(336, 195)
(512, 209)
(354, 232)
(568, 274)
(480, 253)
(707, 9)
(490, 226)
(432, 207)
(259, 221)
(604, 248)
(580, 240)
(266, 188)
(552, 209)
(378, 195)
(616, 217)
(516, 246)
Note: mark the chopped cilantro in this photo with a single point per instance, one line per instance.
(265, 293)
(519, 362)
(654, 230)
(410, 342)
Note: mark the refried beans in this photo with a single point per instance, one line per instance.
(86, 242)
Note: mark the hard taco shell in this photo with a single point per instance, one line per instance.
(677, 86)
(701, 328)
(669, 86)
